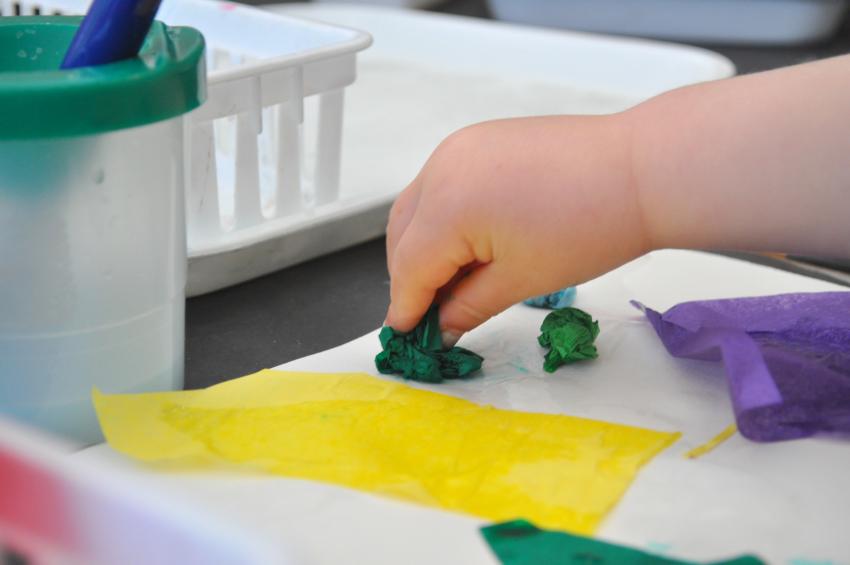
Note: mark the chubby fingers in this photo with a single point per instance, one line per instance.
(486, 291)
(428, 255)
(401, 214)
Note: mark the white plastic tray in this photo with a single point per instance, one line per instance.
(263, 173)
(425, 76)
(757, 22)
(787, 501)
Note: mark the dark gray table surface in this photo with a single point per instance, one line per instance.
(331, 300)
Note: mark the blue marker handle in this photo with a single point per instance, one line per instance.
(111, 31)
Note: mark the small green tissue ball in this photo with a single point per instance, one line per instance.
(569, 333)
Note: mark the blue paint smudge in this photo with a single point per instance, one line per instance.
(558, 299)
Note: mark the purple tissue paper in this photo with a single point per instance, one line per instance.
(787, 358)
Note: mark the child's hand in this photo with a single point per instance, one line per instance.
(520, 207)
(527, 206)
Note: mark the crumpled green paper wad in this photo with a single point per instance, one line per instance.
(569, 333)
(419, 355)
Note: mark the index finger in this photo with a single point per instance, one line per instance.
(401, 214)
(426, 258)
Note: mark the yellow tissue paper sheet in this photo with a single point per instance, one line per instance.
(384, 437)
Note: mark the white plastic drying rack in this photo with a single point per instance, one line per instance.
(271, 126)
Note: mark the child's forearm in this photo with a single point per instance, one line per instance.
(760, 162)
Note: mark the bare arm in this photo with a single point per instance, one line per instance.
(759, 162)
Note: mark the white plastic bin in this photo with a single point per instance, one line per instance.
(92, 235)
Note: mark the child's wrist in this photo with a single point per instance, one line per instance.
(630, 123)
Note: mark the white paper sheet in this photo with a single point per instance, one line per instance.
(786, 502)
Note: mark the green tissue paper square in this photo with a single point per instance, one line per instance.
(521, 543)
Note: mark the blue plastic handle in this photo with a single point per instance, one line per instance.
(112, 30)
